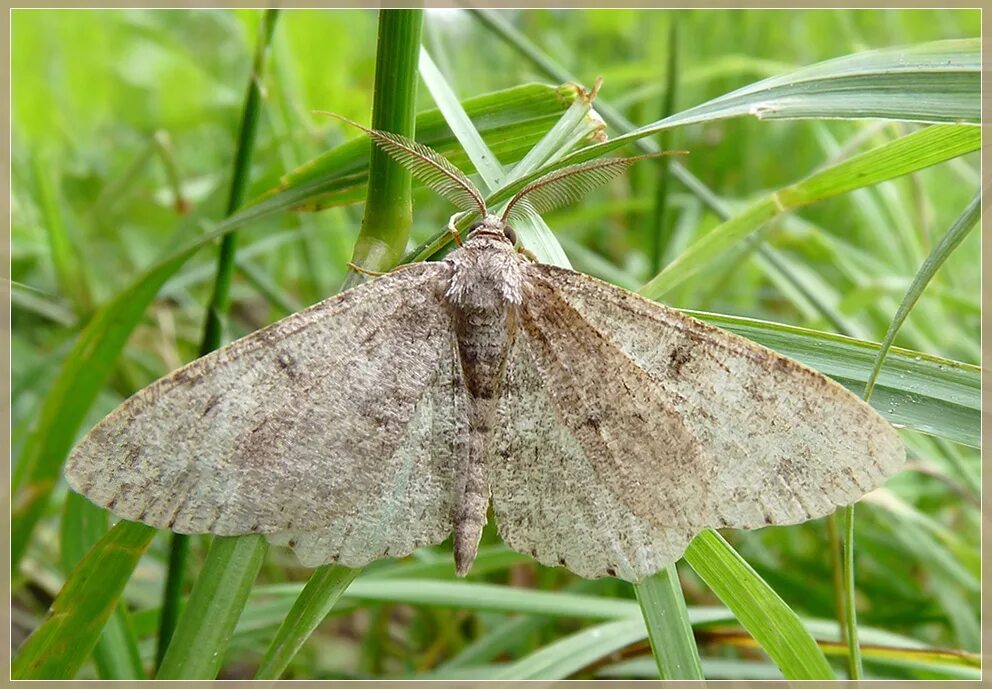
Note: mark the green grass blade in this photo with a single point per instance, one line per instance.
(929, 394)
(565, 657)
(69, 269)
(930, 82)
(945, 247)
(492, 643)
(63, 641)
(79, 381)
(658, 236)
(855, 668)
(533, 233)
(907, 154)
(667, 621)
(212, 611)
(116, 654)
(490, 597)
(772, 623)
(321, 592)
(485, 161)
(220, 300)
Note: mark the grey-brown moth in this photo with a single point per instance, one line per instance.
(606, 430)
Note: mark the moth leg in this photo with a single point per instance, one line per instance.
(358, 269)
(455, 235)
(527, 253)
(375, 273)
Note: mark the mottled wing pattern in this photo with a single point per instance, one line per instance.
(677, 424)
(420, 472)
(341, 419)
(548, 493)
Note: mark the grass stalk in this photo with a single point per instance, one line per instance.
(207, 621)
(660, 237)
(944, 248)
(389, 203)
(381, 241)
(220, 300)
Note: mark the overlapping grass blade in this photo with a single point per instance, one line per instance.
(910, 153)
(955, 235)
(562, 658)
(212, 610)
(533, 232)
(63, 642)
(772, 623)
(319, 595)
(927, 393)
(667, 622)
(69, 269)
(116, 654)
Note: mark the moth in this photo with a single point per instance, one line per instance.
(606, 430)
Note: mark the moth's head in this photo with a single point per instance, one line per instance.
(493, 227)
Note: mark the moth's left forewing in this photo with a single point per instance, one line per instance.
(781, 443)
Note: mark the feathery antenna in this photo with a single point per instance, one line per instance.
(568, 184)
(427, 165)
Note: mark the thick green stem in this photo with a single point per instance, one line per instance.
(220, 300)
(389, 205)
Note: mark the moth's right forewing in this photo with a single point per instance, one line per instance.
(294, 427)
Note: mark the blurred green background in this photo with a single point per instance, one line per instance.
(123, 133)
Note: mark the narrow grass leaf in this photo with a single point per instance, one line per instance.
(64, 640)
(116, 654)
(929, 394)
(213, 608)
(69, 269)
(944, 248)
(772, 623)
(929, 82)
(321, 592)
(910, 153)
(563, 658)
(485, 162)
(667, 622)
(533, 231)
(491, 597)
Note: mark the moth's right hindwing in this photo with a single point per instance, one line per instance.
(287, 428)
(662, 426)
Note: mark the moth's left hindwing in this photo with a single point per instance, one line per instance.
(343, 419)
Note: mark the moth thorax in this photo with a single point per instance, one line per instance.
(487, 275)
